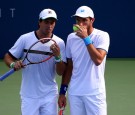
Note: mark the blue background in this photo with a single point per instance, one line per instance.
(117, 17)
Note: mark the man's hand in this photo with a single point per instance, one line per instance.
(18, 65)
(62, 101)
(55, 49)
(82, 31)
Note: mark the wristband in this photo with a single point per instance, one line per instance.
(87, 40)
(63, 89)
(12, 65)
(58, 58)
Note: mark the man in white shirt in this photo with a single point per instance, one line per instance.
(86, 51)
(39, 91)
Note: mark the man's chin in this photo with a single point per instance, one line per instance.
(49, 31)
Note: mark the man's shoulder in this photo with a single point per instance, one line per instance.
(72, 35)
(99, 32)
(29, 34)
(57, 39)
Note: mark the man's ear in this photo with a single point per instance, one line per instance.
(92, 20)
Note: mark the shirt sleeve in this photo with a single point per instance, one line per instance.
(62, 51)
(17, 49)
(103, 42)
(68, 50)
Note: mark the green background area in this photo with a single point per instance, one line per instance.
(120, 85)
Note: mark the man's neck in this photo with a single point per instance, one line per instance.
(43, 35)
(90, 30)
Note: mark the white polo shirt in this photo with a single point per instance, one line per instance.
(87, 78)
(38, 79)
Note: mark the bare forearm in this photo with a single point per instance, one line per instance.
(97, 55)
(64, 83)
(67, 73)
(66, 77)
(8, 59)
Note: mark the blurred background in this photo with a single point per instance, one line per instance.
(117, 17)
(114, 16)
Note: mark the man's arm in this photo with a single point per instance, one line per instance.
(60, 67)
(64, 83)
(97, 55)
(12, 62)
(68, 72)
(8, 59)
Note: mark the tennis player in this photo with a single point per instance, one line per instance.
(86, 52)
(39, 91)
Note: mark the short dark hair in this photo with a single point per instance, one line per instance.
(40, 20)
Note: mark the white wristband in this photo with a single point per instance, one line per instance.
(12, 65)
(59, 60)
